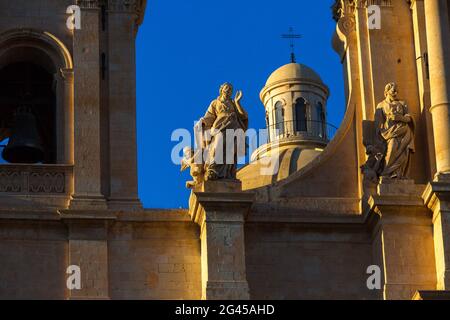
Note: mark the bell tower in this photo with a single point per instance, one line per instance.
(68, 104)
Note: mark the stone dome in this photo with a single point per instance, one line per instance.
(293, 71)
(289, 161)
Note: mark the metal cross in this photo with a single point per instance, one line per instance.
(292, 37)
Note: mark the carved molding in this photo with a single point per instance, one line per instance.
(67, 74)
(10, 181)
(136, 7)
(381, 3)
(89, 4)
(29, 179)
(346, 8)
(124, 5)
(343, 8)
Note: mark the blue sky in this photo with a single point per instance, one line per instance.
(187, 49)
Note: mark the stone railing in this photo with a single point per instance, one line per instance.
(35, 179)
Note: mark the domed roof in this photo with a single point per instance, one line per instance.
(290, 160)
(293, 71)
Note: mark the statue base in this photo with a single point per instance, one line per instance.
(220, 209)
(401, 187)
(399, 221)
(220, 186)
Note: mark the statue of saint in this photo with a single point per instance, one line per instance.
(396, 127)
(216, 133)
(223, 115)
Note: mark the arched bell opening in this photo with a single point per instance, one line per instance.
(27, 111)
(25, 52)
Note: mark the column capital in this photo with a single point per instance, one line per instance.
(219, 201)
(90, 4)
(124, 5)
(67, 74)
(437, 193)
(412, 3)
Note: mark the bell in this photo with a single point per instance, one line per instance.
(25, 144)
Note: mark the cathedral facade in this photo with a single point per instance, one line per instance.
(356, 212)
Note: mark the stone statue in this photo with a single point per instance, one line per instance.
(223, 114)
(396, 127)
(211, 161)
(390, 147)
(193, 161)
(373, 167)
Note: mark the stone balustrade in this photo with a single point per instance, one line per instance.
(35, 179)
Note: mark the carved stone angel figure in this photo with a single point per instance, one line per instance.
(193, 161)
(396, 127)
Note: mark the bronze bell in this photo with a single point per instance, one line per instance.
(25, 144)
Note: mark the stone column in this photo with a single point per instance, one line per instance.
(420, 44)
(87, 139)
(437, 193)
(220, 209)
(402, 239)
(67, 76)
(365, 63)
(122, 107)
(438, 39)
(437, 199)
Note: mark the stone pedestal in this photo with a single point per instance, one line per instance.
(402, 239)
(220, 209)
(437, 199)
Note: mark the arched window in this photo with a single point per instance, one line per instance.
(300, 115)
(321, 120)
(279, 118)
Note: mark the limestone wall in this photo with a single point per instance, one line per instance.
(32, 260)
(287, 261)
(154, 261)
(37, 14)
(150, 255)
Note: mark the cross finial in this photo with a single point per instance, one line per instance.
(292, 37)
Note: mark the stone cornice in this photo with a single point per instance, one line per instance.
(434, 193)
(90, 4)
(129, 6)
(136, 7)
(142, 216)
(346, 8)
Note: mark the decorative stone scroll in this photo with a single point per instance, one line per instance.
(346, 8)
(343, 8)
(34, 179)
(10, 181)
